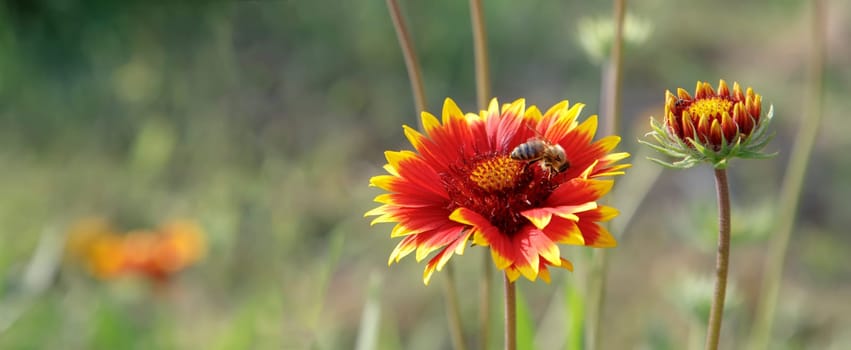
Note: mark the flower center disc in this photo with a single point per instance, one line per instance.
(498, 188)
(710, 107)
(496, 174)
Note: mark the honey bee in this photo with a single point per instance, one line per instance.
(551, 156)
(680, 105)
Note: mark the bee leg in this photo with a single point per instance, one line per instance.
(551, 171)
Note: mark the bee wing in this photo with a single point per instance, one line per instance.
(538, 135)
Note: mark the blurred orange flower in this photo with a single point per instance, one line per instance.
(156, 255)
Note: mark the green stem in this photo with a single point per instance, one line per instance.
(612, 80)
(480, 51)
(792, 185)
(483, 93)
(453, 313)
(411, 62)
(596, 291)
(612, 74)
(510, 314)
(722, 260)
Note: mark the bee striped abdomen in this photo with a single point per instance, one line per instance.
(531, 150)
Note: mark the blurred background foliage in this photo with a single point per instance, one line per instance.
(263, 120)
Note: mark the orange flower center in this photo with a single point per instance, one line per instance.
(498, 188)
(710, 106)
(496, 174)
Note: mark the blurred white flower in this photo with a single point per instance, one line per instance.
(596, 34)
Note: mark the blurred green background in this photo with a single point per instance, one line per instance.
(263, 121)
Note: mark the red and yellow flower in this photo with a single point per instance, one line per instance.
(460, 184)
(712, 126)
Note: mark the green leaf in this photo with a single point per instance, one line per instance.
(371, 316)
(525, 324)
(575, 315)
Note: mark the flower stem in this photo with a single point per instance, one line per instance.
(480, 50)
(411, 62)
(483, 93)
(596, 291)
(612, 81)
(792, 185)
(510, 314)
(612, 75)
(722, 260)
(453, 313)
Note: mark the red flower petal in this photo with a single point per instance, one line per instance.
(487, 235)
(442, 258)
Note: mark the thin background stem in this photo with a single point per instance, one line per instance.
(612, 76)
(793, 183)
(480, 51)
(722, 260)
(483, 93)
(510, 314)
(411, 62)
(612, 80)
(453, 314)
